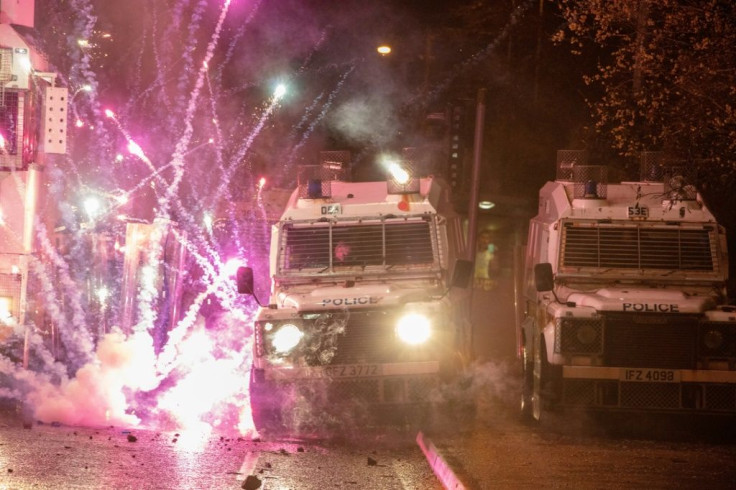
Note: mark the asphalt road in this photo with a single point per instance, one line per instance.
(59, 457)
(628, 451)
(492, 450)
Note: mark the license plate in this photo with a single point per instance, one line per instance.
(332, 209)
(638, 212)
(352, 370)
(650, 375)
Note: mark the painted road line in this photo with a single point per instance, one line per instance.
(441, 469)
(248, 466)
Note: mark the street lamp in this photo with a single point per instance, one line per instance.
(384, 49)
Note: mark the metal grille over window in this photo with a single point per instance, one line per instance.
(315, 180)
(338, 161)
(6, 68)
(651, 166)
(567, 159)
(9, 129)
(399, 243)
(640, 248)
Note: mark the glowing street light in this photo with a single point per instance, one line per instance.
(384, 49)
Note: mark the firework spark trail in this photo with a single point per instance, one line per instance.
(148, 291)
(216, 142)
(516, 15)
(78, 326)
(155, 172)
(163, 72)
(162, 96)
(321, 115)
(77, 332)
(160, 78)
(229, 367)
(175, 336)
(316, 47)
(215, 119)
(147, 296)
(234, 42)
(168, 359)
(243, 149)
(261, 207)
(183, 142)
(239, 88)
(136, 150)
(219, 160)
(137, 73)
(188, 50)
(85, 25)
(101, 386)
(36, 345)
(307, 113)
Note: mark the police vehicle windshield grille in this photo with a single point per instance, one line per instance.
(619, 247)
(322, 245)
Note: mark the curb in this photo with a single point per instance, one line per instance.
(439, 466)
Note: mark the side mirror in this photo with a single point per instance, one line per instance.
(462, 274)
(244, 279)
(543, 278)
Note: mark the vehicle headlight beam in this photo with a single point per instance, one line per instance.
(414, 328)
(286, 338)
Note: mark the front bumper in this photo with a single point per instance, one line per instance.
(373, 384)
(348, 371)
(619, 388)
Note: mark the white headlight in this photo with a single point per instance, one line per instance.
(286, 338)
(414, 328)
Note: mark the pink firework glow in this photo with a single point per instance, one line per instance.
(138, 319)
(161, 338)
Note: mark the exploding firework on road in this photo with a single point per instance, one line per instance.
(179, 110)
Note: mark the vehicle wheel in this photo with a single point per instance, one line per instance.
(527, 388)
(265, 409)
(546, 384)
(267, 421)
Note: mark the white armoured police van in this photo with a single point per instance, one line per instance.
(625, 302)
(362, 311)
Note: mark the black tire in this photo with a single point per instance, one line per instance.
(265, 409)
(527, 389)
(547, 393)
